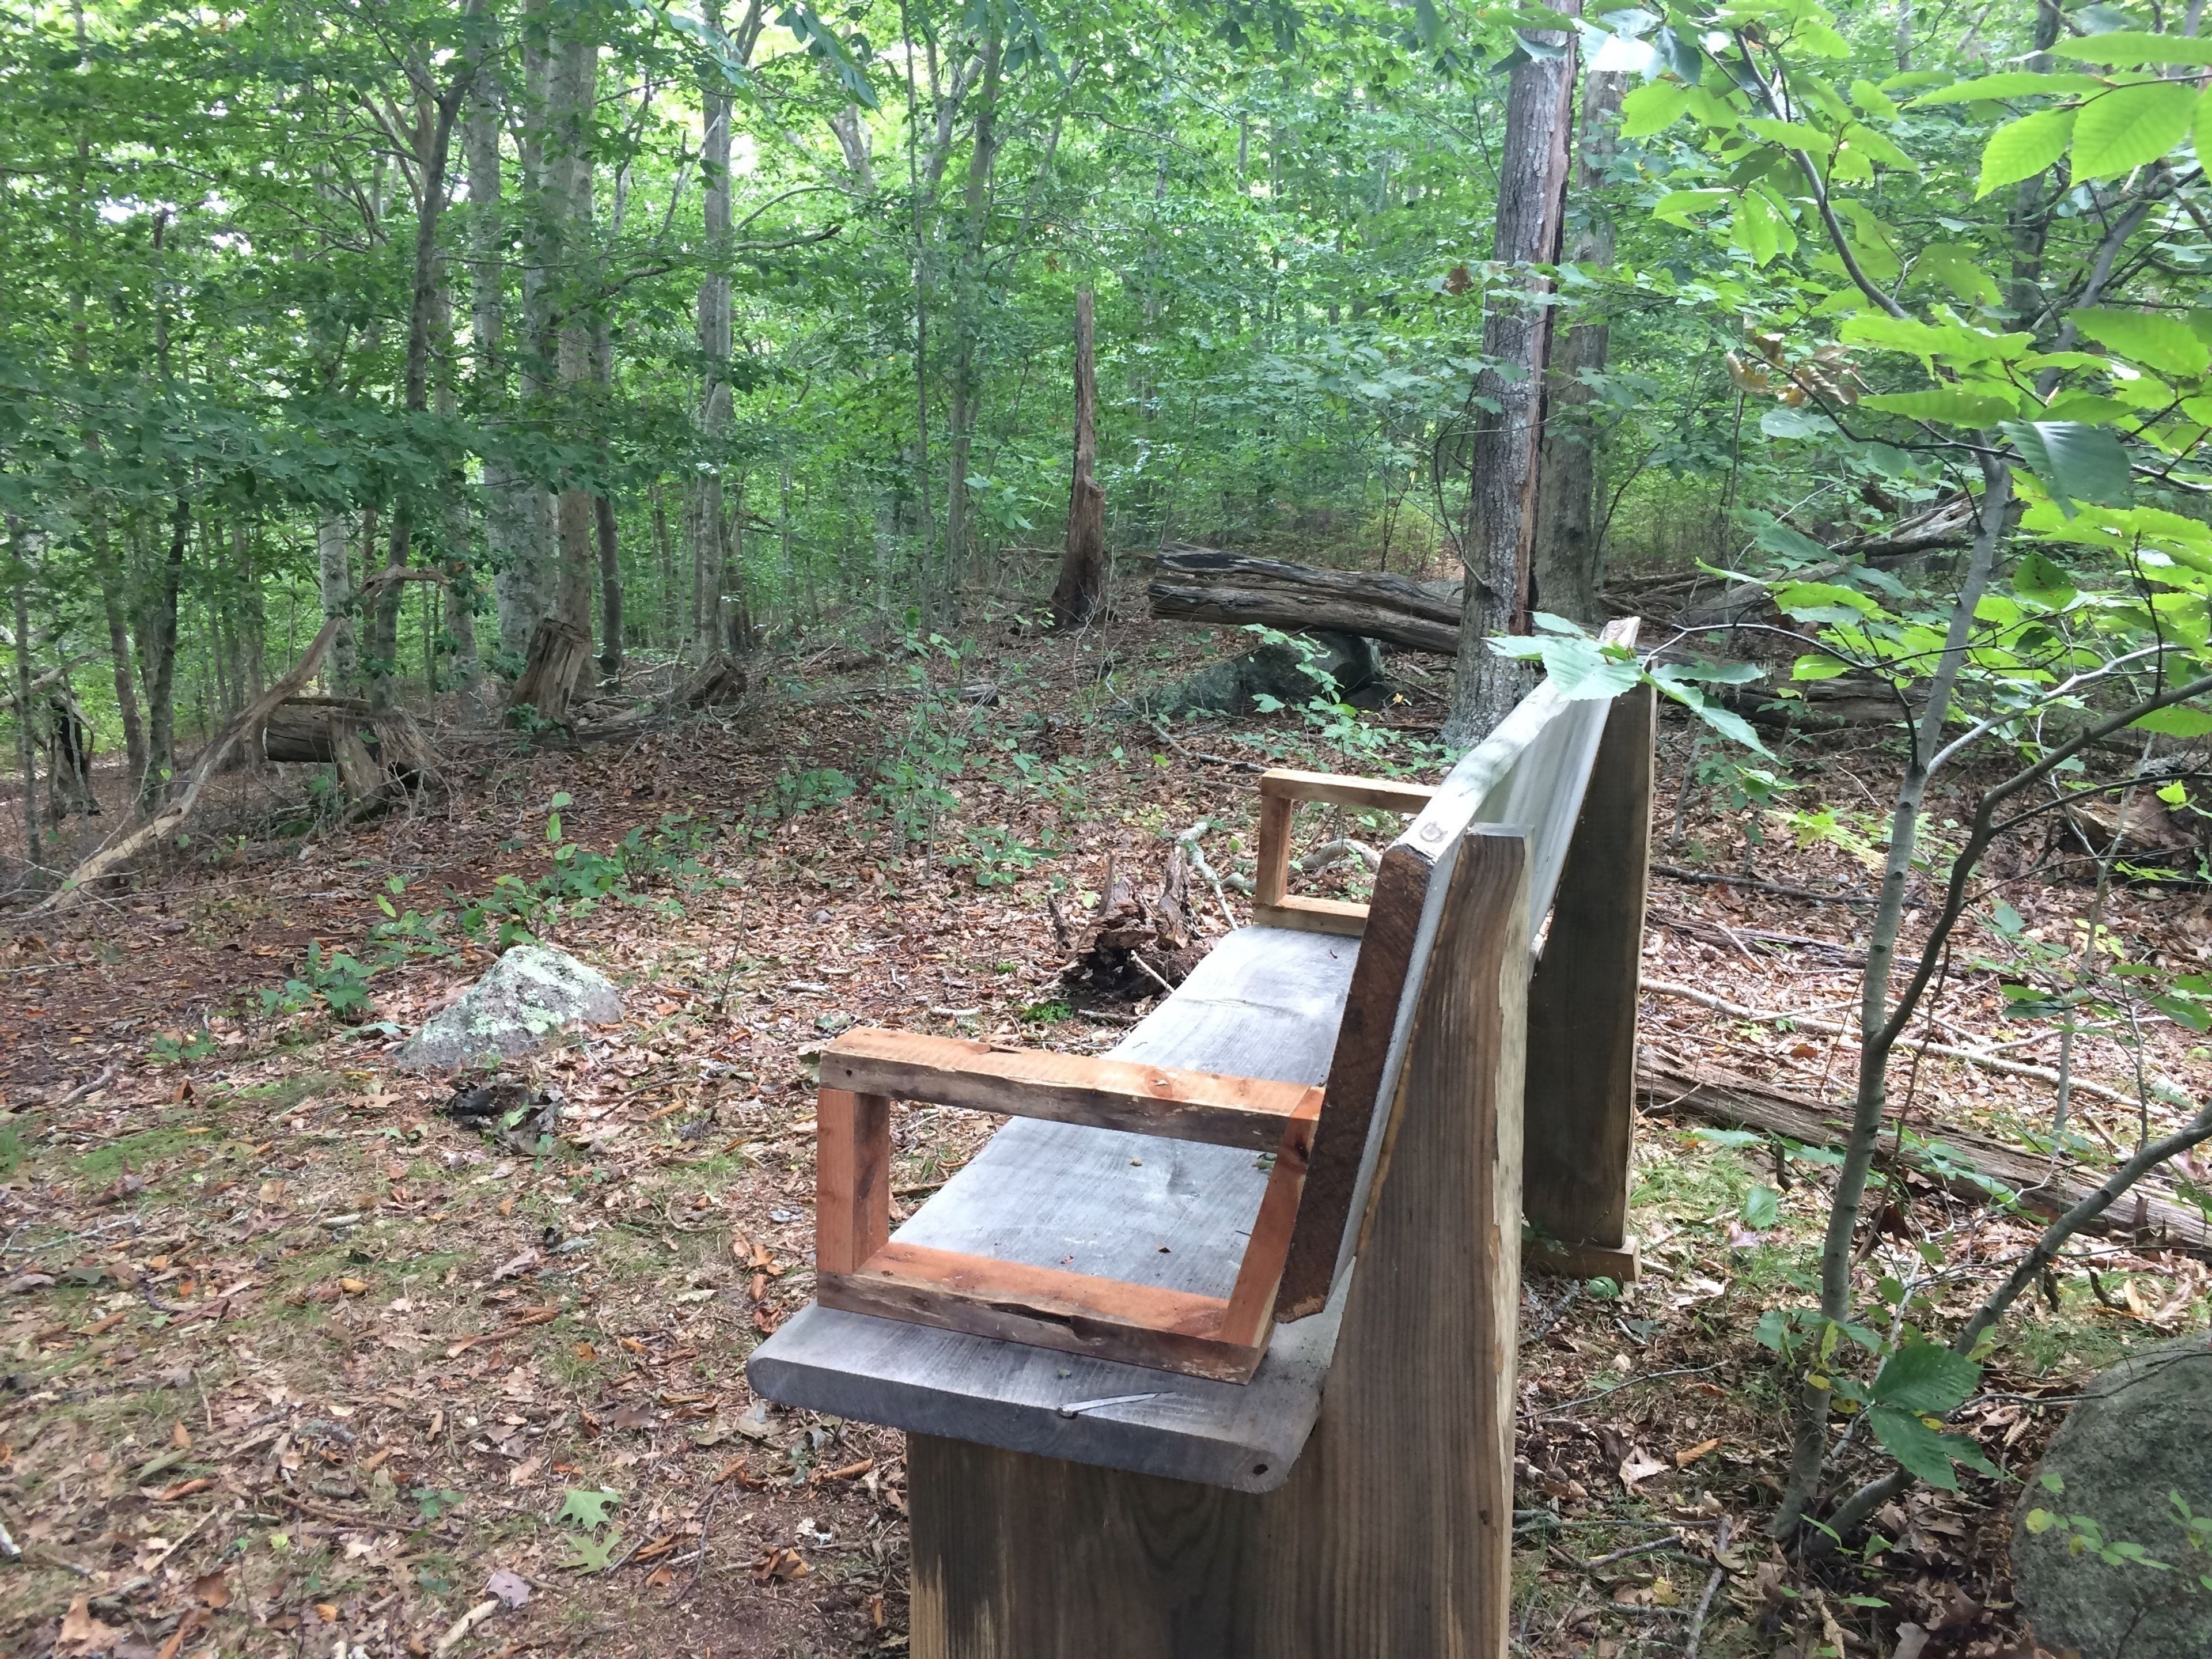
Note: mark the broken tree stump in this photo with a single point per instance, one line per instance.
(559, 653)
(1138, 946)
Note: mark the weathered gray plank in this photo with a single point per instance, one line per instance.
(1264, 1003)
(1392, 1535)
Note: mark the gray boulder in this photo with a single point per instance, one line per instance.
(2142, 1432)
(530, 993)
(1233, 685)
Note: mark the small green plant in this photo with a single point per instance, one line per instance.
(431, 1502)
(337, 981)
(995, 856)
(175, 1049)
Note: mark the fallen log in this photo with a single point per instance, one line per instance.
(1138, 946)
(1667, 1082)
(1196, 584)
(373, 750)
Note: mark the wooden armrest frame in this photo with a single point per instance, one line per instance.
(859, 1268)
(1280, 791)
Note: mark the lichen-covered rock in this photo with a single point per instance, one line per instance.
(2141, 1433)
(530, 993)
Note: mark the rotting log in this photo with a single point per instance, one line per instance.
(1197, 584)
(1665, 1083)
(373, 750)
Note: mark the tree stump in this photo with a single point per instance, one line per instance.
(559, 652)
(1138, 946)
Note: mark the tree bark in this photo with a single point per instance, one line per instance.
(1081, 593)
(334, 570)
(113, 595)
(714, 330)
(2031, 219)
(437, 111)
(576, 82)
(159, 638)
(1564, 566)
(523, 585)
(27, 751)
(967, 322)
(1499, 537)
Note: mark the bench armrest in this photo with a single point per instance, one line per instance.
(859, 1268)
(1107, 1094)
(1280, 791)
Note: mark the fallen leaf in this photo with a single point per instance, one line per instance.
(1639, 1465)
(1663, 1593)
(82, 1633)
(508, 1586)
(781, 1564)
(213, 1588)
(180, 1437)
(354, 1286)
(1684, 1459)
(659, 1579)
(183, 1489)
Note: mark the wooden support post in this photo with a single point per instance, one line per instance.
(1394, 1534)
(1582, 1016)
(852, 1179)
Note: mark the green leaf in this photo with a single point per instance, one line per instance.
(1873, 101)
(1780, 422)
(1817, 666)
(2127, 48)
(2011, 83)
(1675, 207)
(1949, 404)
(1815, 599)
(587, 1554)
(1653, 108)
(1762, 1207)
(2087, 407)
(2075, 462)
(2129, 127)
(1922, 1377)
(587, 1507)
(2179, 720)
(1953, 264)
(1954, 341)
(1914, 1444)
(2021, 149)
(2040, 580)
(2166, 344)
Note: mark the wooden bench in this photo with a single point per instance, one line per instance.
(1210, 1351)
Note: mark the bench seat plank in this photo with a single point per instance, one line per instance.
(1266, 1003)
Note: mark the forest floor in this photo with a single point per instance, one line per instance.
(296, 1364)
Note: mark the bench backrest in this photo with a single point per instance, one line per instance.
(1529, 776)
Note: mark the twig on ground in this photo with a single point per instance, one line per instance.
(1698, 1617)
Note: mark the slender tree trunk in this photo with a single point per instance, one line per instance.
(2031, 220)
(27, 749)
(1081, 593)
(159, 638)
(520, 591)
(1564, 575)
(525, 586)
(1499, 535)
(713, 331)
(1879, 1028)
(967, 325)
(114, 592)
(786, 580)
(437, 112)
(664, 561)
(576, 67)
(334, 566)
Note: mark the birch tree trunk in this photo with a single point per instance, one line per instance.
(1499, 537)
(1563, 568)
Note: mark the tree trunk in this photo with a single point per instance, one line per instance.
(2031, 219)
(437, 111)
(524, 586)
(1499, 536)
(714, 330)
(159, 637)
(1564, 566)
(1081, 593)
(576, 82)
(519, 586)
(112, 595)
(27, 753)
(967, 325)
(665, 560)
